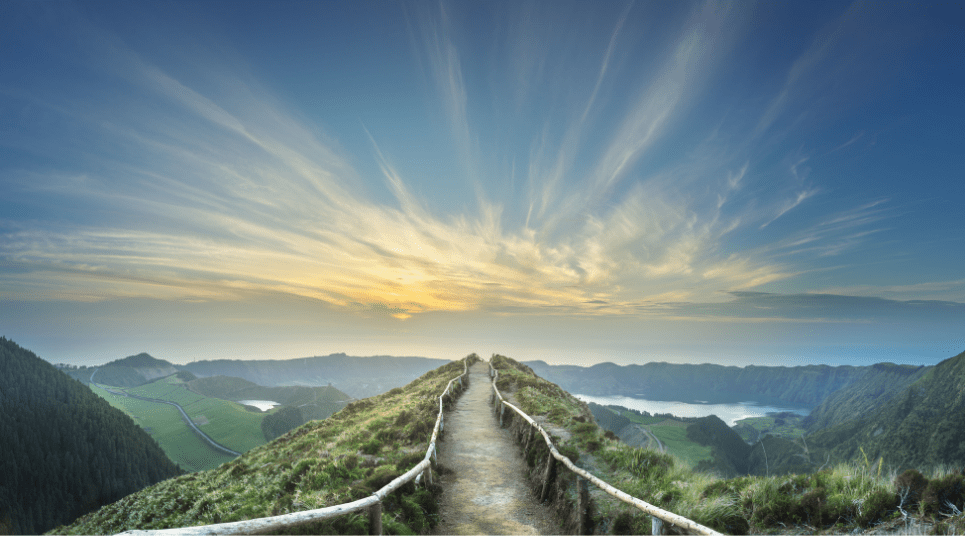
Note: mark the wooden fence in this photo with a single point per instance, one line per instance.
(657, 515)
(372, 503)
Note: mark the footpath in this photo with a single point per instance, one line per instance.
(484, 475)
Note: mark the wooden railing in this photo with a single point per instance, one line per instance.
(372, 503)
(658, 515)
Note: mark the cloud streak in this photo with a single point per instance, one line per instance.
(216, 198)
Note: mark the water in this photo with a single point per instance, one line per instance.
(263, 405)
(729, 413)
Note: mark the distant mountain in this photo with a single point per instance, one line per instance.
(65, 451)
(358, 376)
(804, 386)
(923, 425)
(133, 371)
(879, 384)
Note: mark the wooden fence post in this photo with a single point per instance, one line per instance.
(582, 505)
(502, 410)
(529, 440)
(375, 518)
(548, 477)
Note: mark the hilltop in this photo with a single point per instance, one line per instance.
(65, 450)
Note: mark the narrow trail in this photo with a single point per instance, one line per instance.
(487, 491)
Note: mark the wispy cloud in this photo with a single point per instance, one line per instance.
(217, 198)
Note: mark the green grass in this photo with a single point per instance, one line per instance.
(675, 440)
(319, 464)
(839, 499)
(229, 423)
(768, 425)
(165, 425)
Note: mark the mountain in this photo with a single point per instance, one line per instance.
(921, 426)
(796, 386)
(358, 376)
(65, 451)
(346, 457)
(133, 371)
(879, 384)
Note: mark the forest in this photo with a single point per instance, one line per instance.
(66, 451)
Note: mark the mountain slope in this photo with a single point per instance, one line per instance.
(133, 371)
(65, 450)
(356, 376)
(880, 383)
(322, 463)
(798, 386)
(922, 426)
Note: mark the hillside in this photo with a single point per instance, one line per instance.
(322, 463)
(803, 386)
(133, 371)
(880, 383)
(359, 377)
(922, 426)
(313, 402)
(65, 450)
(841, 498)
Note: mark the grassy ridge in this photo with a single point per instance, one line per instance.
(839, 499)
(322, 463)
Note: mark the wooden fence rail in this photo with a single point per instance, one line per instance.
(658, 515)
(372, 503)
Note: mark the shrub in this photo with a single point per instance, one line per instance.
(943, 491)
(914, 482)
(877, 505)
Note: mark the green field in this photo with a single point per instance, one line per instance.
(164, 424)
(674, 437)
(787, 425)
(229, 423)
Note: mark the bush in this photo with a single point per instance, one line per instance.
(876, 506)
(914, 482)
(944, 491)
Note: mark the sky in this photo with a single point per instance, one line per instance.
(773, 183)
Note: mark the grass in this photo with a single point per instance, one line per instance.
(165, 425)
(675, 440)
(322, 463)
(839, 499)
(229, 423)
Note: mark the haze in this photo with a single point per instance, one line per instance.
(737, 183)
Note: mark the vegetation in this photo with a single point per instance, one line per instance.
(228, 423)
(784, 424)
(281, 421)
(321, 463)
(65, 451)
(313, 402)
(840, 498)
(165, 425)
(922, 426)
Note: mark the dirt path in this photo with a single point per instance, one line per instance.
(487, 491)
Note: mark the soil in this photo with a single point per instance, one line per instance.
(483, 473)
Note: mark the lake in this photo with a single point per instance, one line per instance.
(263, 405)
(729, 413)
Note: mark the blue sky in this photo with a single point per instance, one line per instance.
(768, 183)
